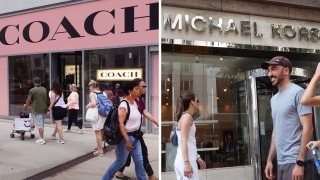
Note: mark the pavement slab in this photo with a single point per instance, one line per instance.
(20, 159)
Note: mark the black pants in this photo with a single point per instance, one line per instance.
(146, 163)
(73, 117)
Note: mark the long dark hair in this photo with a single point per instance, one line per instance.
(183, 103)
(56, 87)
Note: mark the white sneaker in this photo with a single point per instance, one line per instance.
(81, 131)
(60, 141)
(53, 137)
(66, 130)
(41, 141)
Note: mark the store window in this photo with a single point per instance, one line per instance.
(119, 65)
(222, 123)
(22, 70)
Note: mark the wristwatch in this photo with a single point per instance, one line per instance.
(300, 163)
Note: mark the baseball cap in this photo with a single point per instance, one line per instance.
(278, 60)
(37, 81)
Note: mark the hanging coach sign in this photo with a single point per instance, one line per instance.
(118, 74)
(81, 26)
(213, 26)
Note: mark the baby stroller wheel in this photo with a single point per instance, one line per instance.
(32, 136)
(12, 135)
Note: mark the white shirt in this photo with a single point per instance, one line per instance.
(133, 123)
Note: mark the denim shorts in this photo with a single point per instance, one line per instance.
(38, 120)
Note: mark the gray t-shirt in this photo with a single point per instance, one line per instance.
(286, 112)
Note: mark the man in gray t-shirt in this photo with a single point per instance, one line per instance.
(292, 125)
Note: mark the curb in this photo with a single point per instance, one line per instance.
(63, 167)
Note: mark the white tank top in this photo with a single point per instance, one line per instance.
(60, 102)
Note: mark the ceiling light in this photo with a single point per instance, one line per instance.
(225, 90)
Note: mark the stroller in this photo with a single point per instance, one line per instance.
(22, 125)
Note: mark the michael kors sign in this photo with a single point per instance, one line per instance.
(118, 74)
(212, 26)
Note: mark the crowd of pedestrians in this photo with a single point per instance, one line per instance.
(131, 146)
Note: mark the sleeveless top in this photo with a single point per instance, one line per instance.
(192, 145)
(60, 102)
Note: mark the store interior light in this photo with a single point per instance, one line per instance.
(168, 79)
(217, 98)
(168, 90)
(225, 90)
(130, 55)
(221, 58)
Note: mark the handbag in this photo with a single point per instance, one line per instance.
(174, 136)
(92, 114)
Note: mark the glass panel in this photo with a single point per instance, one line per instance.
(112, 59)
(222, 124)
(66, 67)
(22, 70)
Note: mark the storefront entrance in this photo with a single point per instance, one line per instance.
(66, 67)
(259, 93)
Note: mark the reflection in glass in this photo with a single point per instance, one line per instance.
(222, 123)
(22, 70)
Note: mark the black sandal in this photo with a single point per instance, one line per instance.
(123, 177)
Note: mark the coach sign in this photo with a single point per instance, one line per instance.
(118, 74)
(100, 24)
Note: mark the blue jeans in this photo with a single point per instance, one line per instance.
(121, 158)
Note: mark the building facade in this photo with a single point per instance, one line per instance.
(215, 49)
(76, 41)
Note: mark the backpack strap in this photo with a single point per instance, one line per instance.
(128, 109)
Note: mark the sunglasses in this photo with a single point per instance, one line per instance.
(144, 86)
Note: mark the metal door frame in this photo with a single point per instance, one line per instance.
(252, 109)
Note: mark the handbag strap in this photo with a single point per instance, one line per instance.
(56, 101)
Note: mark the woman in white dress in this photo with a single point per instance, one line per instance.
(185, 164)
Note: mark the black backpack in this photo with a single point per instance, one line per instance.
(111, 127)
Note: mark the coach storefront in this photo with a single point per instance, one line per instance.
(111, 42)
(217, 56)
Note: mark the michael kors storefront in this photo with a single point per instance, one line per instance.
(217, 55)
(111, 42)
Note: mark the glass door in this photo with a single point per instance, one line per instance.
(66, 67)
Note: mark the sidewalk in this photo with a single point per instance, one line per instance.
(22, 159)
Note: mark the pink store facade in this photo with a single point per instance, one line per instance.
(109, 41)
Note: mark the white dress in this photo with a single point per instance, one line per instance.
(192, 152)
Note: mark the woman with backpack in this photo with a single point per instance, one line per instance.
(96, 125)
(129, 128)
(142, 109)
(185, 164)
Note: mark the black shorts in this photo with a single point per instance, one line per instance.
(59, 113)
